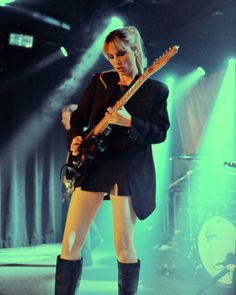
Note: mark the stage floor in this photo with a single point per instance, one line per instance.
(30, 271)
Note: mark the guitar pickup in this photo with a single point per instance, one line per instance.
(76, 164)
(70, 169)
(107, 131)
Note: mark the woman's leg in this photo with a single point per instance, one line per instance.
(82, 210)
(124, 220)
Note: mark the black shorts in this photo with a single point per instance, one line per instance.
(103, 175)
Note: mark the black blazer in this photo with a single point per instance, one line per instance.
(150, 122)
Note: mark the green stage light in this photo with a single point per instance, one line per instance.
(232, 61)
(64, 51)
(5, 2)
(222, 119)
(21, 40)
(187, 83)
(170, 83)
(90, 57)
(117, 22)
(201, 71)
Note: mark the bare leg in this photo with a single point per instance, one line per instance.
(124, 220)
(82, 210)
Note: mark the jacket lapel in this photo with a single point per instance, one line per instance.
(106, 83)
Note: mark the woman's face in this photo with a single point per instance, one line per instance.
(122, 60)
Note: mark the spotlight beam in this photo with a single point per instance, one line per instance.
(187, 83)
(5, 2)
(209, 192)
(222, 119)
(39, 16)
(44, 117)
(40, 65)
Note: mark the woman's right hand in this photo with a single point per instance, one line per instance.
(74, 147)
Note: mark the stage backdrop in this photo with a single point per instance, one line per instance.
(31, 192)
(193, 110)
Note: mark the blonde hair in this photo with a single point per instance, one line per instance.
(128, 37)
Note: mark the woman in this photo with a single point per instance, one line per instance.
(125, 170)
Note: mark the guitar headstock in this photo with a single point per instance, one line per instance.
(163, 59)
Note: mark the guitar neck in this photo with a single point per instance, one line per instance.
(103, 124)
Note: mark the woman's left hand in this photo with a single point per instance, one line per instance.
(118, 117)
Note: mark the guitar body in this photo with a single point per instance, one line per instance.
(78, 166)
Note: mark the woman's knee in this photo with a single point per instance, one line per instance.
(124, 247)
(72, 245)
(79, 218)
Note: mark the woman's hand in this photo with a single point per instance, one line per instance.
(118, 117)
(74, 147)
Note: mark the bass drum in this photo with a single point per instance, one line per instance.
(217, 246)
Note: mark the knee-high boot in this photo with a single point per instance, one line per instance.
(128, 277)
(68, 275)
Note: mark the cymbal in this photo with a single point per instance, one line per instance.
(197, 157)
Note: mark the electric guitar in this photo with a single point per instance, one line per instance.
(96, 140)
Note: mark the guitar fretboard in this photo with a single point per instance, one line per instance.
(103, 124)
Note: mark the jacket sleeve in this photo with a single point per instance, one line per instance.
(80, 117)
(154, 129)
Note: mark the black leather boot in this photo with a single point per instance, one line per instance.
(128, 277)
(68, 275)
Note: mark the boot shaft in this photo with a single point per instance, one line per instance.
(128, 278)
(68, 275)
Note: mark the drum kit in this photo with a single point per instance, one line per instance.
(209, 222)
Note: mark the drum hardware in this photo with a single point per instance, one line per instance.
(190, 172)
(187, 177)
(231, 267)
(178, 263)
(230, 164)
(181, 258)
(200, 210)
(217, 251)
